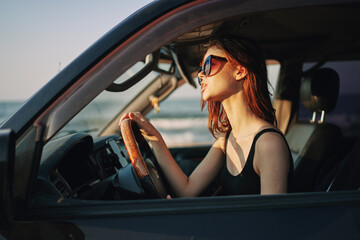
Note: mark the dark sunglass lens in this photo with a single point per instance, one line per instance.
(207, 66)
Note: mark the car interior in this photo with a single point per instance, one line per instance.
(77, 165)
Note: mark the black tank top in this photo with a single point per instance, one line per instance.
(248, 182)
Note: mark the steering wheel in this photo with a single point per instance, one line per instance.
(143, 160)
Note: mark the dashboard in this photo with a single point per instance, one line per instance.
(73, 166)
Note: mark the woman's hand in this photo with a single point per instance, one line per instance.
(145, 127)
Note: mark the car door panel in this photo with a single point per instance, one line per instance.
(296, 216)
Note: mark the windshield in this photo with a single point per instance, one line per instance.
(180, 119)
(98, 113)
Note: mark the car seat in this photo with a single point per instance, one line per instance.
(314, 142)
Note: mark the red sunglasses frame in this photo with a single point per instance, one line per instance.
(208, 62)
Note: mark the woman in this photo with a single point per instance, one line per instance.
(250, 154)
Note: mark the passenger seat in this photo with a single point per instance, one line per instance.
(314, 142)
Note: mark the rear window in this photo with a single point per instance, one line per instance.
(347, 111)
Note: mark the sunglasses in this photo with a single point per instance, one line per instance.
(211, 64)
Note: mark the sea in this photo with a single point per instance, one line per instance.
(7, 108)
(181, 121)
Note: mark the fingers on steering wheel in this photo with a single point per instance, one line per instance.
(132, 116)
(138, 118)
(125, 116)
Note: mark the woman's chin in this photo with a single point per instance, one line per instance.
(205, 98)
(208, 97)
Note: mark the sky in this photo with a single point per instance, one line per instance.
(40, 37)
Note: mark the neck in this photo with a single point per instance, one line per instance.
(242, 120)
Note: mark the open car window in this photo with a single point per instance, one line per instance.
(89, 161)
(165, 96)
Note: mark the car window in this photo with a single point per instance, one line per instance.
(347, 111)
(273, 68)
(180, 119)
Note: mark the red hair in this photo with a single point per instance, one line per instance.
(242, 52)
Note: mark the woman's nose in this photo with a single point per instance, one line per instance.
(200, 77)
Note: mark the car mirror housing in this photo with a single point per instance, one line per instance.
(7, 157)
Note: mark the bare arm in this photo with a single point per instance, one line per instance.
(182, 185)
(271, 162)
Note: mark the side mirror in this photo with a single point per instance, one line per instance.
(7, 158)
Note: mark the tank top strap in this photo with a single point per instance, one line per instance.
(264, 131)
(252, 149)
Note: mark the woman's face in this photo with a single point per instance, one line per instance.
(221, 82)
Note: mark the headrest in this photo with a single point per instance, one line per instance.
(320, 90)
